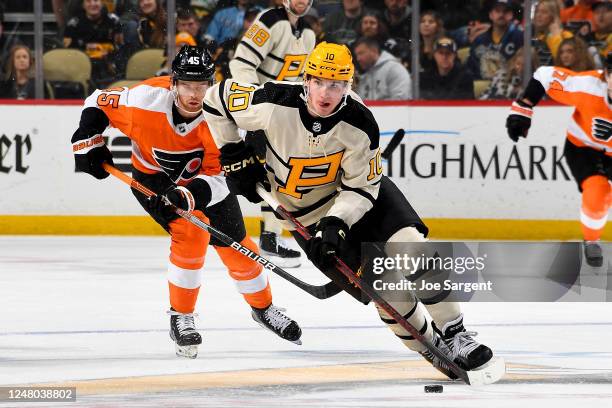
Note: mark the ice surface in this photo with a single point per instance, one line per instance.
(91, 311)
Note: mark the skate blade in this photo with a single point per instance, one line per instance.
(187, 351)
(488, 373)
(282, 262)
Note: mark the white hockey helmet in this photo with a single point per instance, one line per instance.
(287, 4)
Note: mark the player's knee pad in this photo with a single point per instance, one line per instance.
(189, 243)
(410, 245)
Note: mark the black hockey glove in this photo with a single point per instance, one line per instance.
(196, 195)
(89, 154)
(243, 170)
(519, 120)
(329, 240)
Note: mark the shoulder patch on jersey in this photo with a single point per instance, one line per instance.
(73, 22)
(159, 82)
(358, 115)
(277, 93)
(273, 16)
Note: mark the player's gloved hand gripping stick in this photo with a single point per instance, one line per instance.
(481, 377)
(320, 292)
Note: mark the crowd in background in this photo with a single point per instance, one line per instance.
(468, 48)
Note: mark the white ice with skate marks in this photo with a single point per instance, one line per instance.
(83, 308)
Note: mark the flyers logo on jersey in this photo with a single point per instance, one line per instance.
(179, 165)
(602, 129)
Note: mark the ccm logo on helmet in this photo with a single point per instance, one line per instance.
(328, 68)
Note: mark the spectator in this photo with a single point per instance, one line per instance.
(227, 23)
(579, 18)
(455, 14)
(490, 50)
(203, 10)
(152, 27)
(371, 26)
(397, 18)
(507, 83)
(187, 21)
(447, 79)
(224, 52)
(98, 33)
(127, 10)
(548, 32)
(573, 54)
(341, 27)
(182, 38)
(382, 76)
(19, 82)
(600, 40)
(315, 24)
(328, 7)
(431, 27)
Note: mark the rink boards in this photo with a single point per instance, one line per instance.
(456, 165)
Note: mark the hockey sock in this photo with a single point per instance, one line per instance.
(596, 195)
(250, 277)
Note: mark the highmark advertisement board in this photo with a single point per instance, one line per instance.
(455, 162)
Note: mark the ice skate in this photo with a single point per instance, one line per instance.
(184, 334)
(466, 351)
(273, 319)
(435, 361)
(593, 254)
(273, 248)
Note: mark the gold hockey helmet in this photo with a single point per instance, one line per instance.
(330, 61)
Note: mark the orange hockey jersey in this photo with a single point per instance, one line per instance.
(144, 113)
(591, 122)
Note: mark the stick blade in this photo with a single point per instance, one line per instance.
(396, 139)
(489, 373)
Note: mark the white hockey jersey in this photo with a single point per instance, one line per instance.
(272, 49)
(316, 166)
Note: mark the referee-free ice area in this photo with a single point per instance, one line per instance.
(90, 312)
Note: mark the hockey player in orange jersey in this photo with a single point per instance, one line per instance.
(173, 153)
(588, 148)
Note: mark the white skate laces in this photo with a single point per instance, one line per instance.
(184, 322)
(274, 315)
(463, 344)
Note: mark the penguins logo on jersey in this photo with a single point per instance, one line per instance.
(602, 129)
(179, 165)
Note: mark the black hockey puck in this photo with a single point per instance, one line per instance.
(434, 388)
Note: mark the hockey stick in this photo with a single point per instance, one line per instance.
(396, 139)
(320, 292)
(469, 377)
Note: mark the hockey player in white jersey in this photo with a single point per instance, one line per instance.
(274, 48)
(323, 164)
